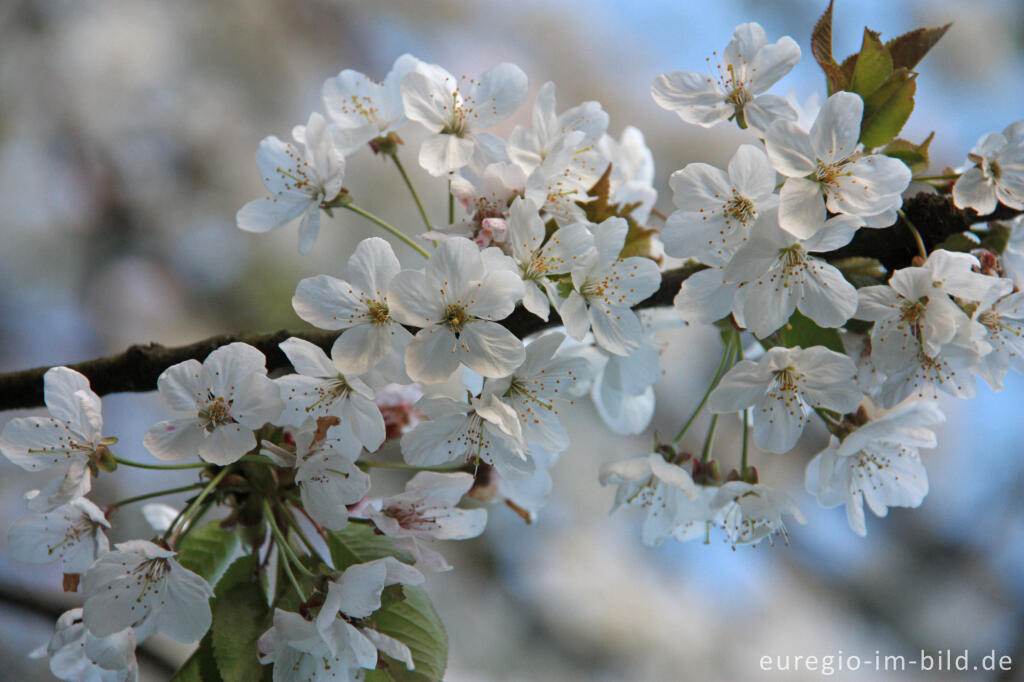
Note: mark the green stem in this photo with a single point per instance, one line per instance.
(412, 190)
(451, 204)
(294, 525)
(387, 226)
(141, 465)
(705, 453)
(282, 542)
(746, 427)
(722, 365)
(917, 235)
(366, 464)
(928, 178)
(194, 505)
(158, 493)
(193, 522)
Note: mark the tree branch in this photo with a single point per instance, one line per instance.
(137, 368)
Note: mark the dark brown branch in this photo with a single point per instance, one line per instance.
(934, 216)
(137, 368)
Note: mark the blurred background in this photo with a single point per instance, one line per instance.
(127, 134)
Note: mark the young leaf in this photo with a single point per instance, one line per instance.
(961, 241)
(873, 66)
(240, 616)
(821, 48)
(414, 622)
(207, 551)
(358, 543)
(996, 237)
(908, 49)
(200, 666)
(887, 109)
(914, 155)
(800, 331)
(861, 271)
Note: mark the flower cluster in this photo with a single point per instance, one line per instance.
(448, 364)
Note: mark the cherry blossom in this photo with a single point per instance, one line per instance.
(300, 181)
(997, 176)
(718, 209)
(752, 512)
(605, 287)
(365, 110)
(529, 148)
(877, 463)
(750, 65)
(456, 300)
(320, 390)
(70, 438)
(454, 110)
(357, 304)
(1003, 320)
(427, 509)
(142, 586)
(485, 197)
(541, 260)
(780, 276)
(827, 171)
(632, 176)
(484, 429)
(72, 533)
(782, 387)
(227, 397)
(76, 654)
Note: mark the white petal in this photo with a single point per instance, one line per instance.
(227, 444)
(184, 386)
(174, 440)
(444, 153)
(801, 207)
(489, 349)
(835, 132)
(433, 355)
(263, 215)
(789, 148)
(499, 92)
(740, 388)
(360, 348)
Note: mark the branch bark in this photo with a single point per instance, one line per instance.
(137, 368)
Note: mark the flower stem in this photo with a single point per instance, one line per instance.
(746, 425)
(451, 204)
(412, 190)
(158, 493)
(190, 510)
(705, 453)
(387, 226)
(283, 545)
(917, 235)
(722, 365)
(142, 465)
(928, 178)
(294, 524)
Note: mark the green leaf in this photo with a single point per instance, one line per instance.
(961, 241)
(887, 109)
(240, 616)
(414, 622)
(200, 666)
(908, 49)
(207, 551)
(800, 331)
(873, 66)
(996, 237)
(860, 271)
(821, 48)
(914, 155)
(357, 543)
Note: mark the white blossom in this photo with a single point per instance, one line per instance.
(750, 65)
(77, 655)
(827, 171)
(320, 390)
(540, 260)
(364, 109)
(68, 439)
(485, 197)
(357, 304)
(227, 397)
(676, 506)
(1003, 320)
(751, 512)
(632, 176)
(877, 463)
(456, 300)
(997, 176)
(718, 209)
(782, 387)
(779, 276)
(485, 429)
(454, 111)
(529, 148)
(142, 586)
(605, 287)
(299, 180)
(427, 509)
(72, 533)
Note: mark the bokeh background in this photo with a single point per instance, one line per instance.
(127, 133)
